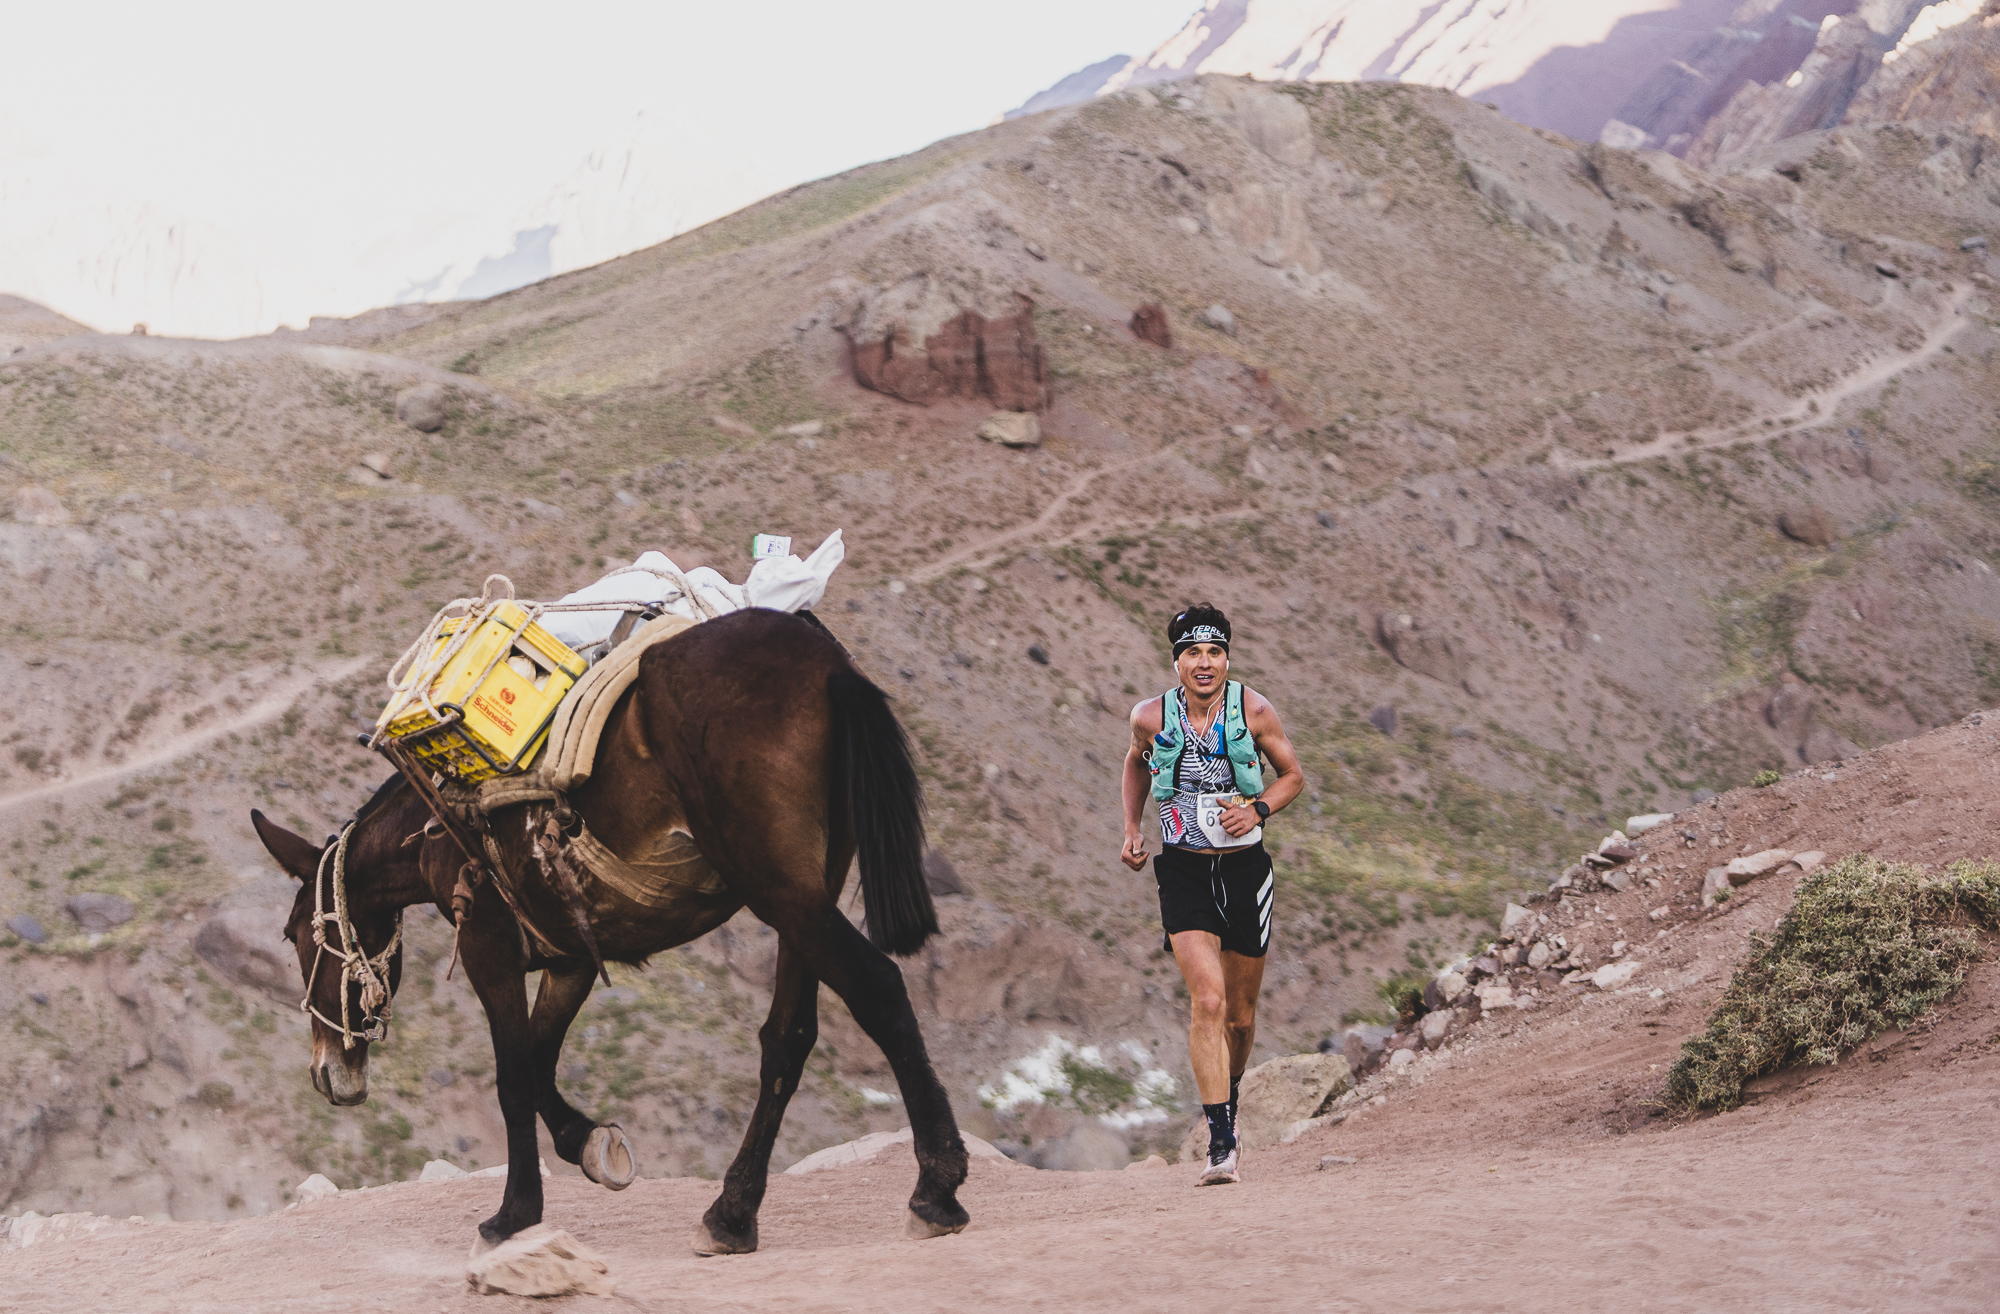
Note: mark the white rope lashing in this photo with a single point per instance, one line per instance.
(355, 963)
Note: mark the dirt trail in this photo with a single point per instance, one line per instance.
(271, 705)
(1816, 406)
(1522, 1165)
(974, 554)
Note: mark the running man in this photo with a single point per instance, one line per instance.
(1195, 749)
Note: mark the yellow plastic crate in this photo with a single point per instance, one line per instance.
(499, 726)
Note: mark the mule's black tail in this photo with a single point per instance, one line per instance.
(873, 777)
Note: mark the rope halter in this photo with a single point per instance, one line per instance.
(355, 964)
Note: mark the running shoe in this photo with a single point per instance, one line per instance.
(1221, 1170)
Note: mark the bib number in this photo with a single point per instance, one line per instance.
(1208, 817)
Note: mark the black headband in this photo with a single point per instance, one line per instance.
(1195, 634)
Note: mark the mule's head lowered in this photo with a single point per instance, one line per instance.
(346, 925)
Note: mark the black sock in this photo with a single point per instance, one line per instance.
(1234, 1082)
(1221, 1128)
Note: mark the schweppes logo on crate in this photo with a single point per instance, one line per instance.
(475, 695)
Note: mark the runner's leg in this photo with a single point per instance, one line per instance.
(1242, 980)
(1200, 956)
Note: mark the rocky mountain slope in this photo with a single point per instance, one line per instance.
(1547, 484)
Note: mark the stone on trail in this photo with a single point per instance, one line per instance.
(1639, 825)
(316, 1187)
(1612, 975)
(1219, 319)
(1274, 1096)
(441, 1170)
(1511, 919)
(1715, 886)
(1401, 1059)
(1012, 429)
(1810, 860)
(1150, 1161)
(1619, 879)
(541, 1261)
(1540, 955)
(1744, 870)
(423, 407)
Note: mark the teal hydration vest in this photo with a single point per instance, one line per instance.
(1236, 741)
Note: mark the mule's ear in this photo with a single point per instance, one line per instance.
(294, 853)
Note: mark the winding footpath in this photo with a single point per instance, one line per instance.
(269, 707)
(1808, 408)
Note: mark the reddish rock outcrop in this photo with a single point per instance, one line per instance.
(1149, 324)
(972, 356)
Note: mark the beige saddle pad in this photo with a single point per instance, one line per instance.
(566, 760)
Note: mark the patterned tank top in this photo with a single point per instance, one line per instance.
(1203, 769)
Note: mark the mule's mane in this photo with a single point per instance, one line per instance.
(379, 797)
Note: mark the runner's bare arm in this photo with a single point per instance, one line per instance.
(1269, 732)
(1137, 781)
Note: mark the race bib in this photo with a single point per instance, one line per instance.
(1208, 817)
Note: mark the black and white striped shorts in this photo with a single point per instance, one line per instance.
(1226, 894)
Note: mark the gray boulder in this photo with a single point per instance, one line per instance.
(1425, 650)
(27, 928)
(98, 912)
(423, 407)
(247, 945)
(940, 875)
(1809, 525)
(1218, 318)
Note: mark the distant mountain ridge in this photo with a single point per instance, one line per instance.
(1635, 73)
(114, 265)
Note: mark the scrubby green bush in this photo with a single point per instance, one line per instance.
(1763, 778)
(1868, 945)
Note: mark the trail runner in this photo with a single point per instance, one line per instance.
(1195, 750)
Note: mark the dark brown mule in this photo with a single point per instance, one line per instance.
(755, 737)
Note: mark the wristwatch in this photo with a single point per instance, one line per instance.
(1263, 809)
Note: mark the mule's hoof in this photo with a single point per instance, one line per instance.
(921, 1229)
(607, 1158)
(707, 1243)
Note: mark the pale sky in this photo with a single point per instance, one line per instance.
(311, 132)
